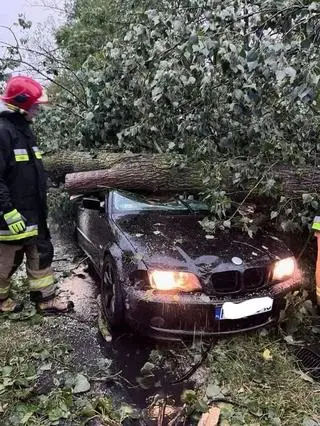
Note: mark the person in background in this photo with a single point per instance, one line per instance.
(316, 228)
(23, 206)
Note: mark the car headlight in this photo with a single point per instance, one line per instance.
(283, 269)
(174, 280)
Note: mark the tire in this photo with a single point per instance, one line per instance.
(111, 295)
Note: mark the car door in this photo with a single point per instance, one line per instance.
(93, 228)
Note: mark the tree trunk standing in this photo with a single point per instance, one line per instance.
(155, 172)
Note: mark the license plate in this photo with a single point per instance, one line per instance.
(248, 308)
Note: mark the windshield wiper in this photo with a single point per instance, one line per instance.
(186, 205)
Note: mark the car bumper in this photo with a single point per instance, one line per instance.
(172, 317)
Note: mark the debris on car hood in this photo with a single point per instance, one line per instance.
(182, 242)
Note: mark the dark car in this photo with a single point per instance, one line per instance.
(166, 277)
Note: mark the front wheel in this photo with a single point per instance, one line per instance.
(111, 295)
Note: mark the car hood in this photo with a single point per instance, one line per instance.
(179, 241)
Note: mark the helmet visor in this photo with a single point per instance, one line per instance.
(43, 98)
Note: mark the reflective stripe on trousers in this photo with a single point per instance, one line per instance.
(39, 258)
(40, 283)
(4, 291)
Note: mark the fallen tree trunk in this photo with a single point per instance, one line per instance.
(60, 164)
(122, 170)
(156, 173)
(144, 174)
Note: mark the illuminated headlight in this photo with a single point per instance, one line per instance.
(173, 280)
(283, 269)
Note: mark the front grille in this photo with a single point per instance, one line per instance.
(226, 282)
(236, 282)
(254, 278)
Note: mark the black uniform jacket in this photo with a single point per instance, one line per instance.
(22, 177)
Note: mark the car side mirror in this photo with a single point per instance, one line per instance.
(92, 204)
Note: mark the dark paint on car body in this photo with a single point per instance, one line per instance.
(140, 241)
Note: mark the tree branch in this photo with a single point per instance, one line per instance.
(47, 55)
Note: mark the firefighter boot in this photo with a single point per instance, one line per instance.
(10, 306)
(55, 305)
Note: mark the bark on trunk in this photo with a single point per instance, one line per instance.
(144, 174)
(155, 173)
(298, 180)
(62, 163)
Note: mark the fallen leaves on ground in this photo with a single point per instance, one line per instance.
(267, 356)
(81, 384)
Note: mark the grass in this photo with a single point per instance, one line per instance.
(258, 372)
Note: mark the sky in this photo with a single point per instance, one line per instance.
(44, 21)
(33, 11)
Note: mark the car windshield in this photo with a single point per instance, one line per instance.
(125, 202)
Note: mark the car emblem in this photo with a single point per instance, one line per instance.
(237, 261)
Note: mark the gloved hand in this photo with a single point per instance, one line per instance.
(15, 221)
(316, 223)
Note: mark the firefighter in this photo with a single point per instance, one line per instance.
(23, 206)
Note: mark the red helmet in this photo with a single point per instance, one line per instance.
(23, 93)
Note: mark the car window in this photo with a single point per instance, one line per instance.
(123, 202)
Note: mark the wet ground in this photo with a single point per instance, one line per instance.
(143, 371)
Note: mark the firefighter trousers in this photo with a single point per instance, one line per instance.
(39, 255)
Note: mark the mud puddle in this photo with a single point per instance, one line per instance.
(147, 370)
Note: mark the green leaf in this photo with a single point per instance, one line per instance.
(307, 421)
(127, 412)
(89, 116)
(25, 419)
(147, 368)
(46, 367)
(214, 391)
(307, 198)
(6, 371)
(156, 93)
(189, 396)
(274, 214)
(146, 382)
(57, 413)
(81, 384)
(87, 410)
(291, 72)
